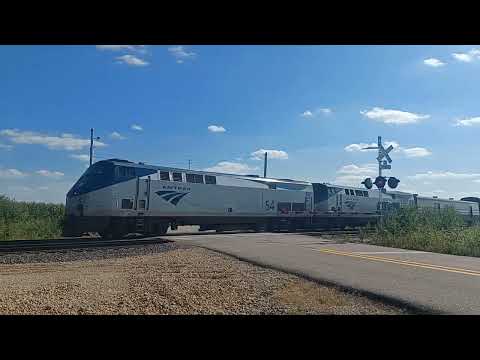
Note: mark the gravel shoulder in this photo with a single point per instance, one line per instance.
(163, 279)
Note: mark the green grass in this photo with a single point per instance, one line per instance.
(440, 231)
(28, 220)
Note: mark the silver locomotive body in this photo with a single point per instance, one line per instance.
(115, 197)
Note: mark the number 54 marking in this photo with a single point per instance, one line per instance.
(269, 205)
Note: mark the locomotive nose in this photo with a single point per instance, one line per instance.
(74, 206)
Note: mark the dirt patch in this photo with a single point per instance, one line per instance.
(178, 281)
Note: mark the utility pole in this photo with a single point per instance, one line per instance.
(91, 145)
(265, 166)
(189, 163)
(380, 173)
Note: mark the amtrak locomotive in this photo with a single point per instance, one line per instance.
(116, 197)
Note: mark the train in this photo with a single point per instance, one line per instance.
(116, 197)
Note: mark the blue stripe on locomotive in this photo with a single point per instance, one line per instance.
(101, 175)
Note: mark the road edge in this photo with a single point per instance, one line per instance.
(414, 308)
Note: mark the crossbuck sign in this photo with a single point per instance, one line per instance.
(383, 153)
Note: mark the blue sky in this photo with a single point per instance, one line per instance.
(312, 107)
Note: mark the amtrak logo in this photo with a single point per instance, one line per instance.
(173, 197)
(350, 204)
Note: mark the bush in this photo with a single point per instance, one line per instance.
(29, 220)
(441, 231)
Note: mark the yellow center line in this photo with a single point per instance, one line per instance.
(412, 262)
(402, 262)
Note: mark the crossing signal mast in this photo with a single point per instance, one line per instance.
(383, 164)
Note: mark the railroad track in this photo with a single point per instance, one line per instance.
(73, 243)
(88, 242)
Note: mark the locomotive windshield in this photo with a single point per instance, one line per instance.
(97, 176)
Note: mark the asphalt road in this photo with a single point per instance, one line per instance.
(430, 282)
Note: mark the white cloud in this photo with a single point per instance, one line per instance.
(472, 55)
(352, 169)
(475, 52)
(136, 127)
(468, 122)
(132, 60)
(20, 188)
(181, 54)
(445, 175)
(319, 111)
(11, 174)
(50, 174)
(353, 174)
(272, 154)
(417, 152)
(408, 152)
(64, 142)
(6, 147)
(215, 128)
(306, 114)
(393, 116)
(396, 145)
(120, 47)
(54, 193)
(81, 157)
(231, 167)
(359, 147)
(463, 57)
(116, 136)
(433, 62)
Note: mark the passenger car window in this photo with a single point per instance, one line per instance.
(164, 175)
(352, 192)
(198, 178)
(127, 204)
(177, 176)
(359, 192)
(141, 204)
(298, 206)
(365, 193)
(122, 171)
(190, 178)
(347, 192)
(210, 179)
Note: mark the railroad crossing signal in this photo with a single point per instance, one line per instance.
(384, 165)
(368, 183)
(393, 182)
(383, 153)
(380, 182)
